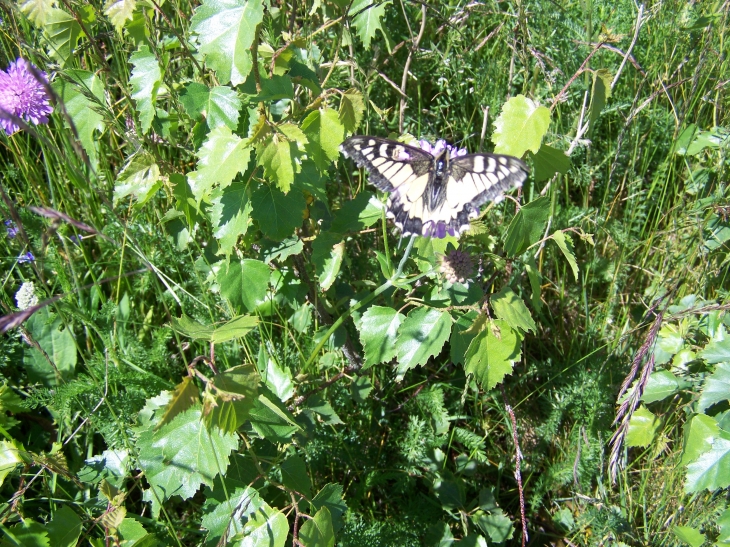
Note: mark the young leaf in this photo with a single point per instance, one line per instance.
(226, 29)
(549, 161)
(61, 31)
(191, 328)
(221, 158)
(367, 19)
(230, 215)
(318, 531)
(325, 133)
(244, 283)
(83, 111)
(271, 419)
(9, 458)
(119, 12)
(378, 330)
(64, 528)
(352, 108)
(266, 526)
(565, 242)
(642, 428)
(276, 158)
(223, 107)
(520, 127)
(716, 388)
(277, 213)
(711, 470)
(328, 251)
(229, 404)
(422, 335)
(661, 384)
(146, 81)
(182, 455)
(277, 378)
(533, 274)
(492, 353)
(139, 178)
(37, 10)
(510, 307)
(527, 226)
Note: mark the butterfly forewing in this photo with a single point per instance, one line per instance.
(479, 178)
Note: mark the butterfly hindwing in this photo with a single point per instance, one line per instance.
(479, 178)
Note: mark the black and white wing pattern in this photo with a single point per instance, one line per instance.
(434, 195)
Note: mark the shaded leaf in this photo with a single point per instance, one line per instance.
(272, 420)
(357, 214)
(318, 531)
(328, 251)
(549, 161)
(245, 283)
(565, 243)
(185, 396)
(277, 213)
(230, 216)
(64, 528)
(294, 475)
(235, 393)
(352, 108)
(527, 226)
(600, 92)
(331, 497)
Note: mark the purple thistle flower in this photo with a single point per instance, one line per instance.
(26, 257)
(11, 228)
(22, 96)
(440, 146)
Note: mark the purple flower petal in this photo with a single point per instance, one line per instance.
(22, 95)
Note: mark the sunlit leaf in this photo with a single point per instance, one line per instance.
(492, 353)
(119, 12)
(520, 127)
(230, 215)
(716, 388)
(325, 133)
(61, 31)
(422, 335)
(565, 243)
(139, 178)
(278, 163)
(600, 92)
(711, 470)
(318, 531)
(352, 108)
(146, 82)
(661, 384)
(510, 307)
(378, 328)
(328, 251)
(244, 283)
(37, 10)
(184, 396)
(367, 19)
(527, 226)
(642, 428)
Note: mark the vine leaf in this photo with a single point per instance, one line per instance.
(510, 307)
(328, 250)
(244, 283)
(119, 12)
(642, 428)
(230, 216)
(565, 243)
(325, 133)
(318, 531)
(226, 29)
(140, 178)
(62, 31)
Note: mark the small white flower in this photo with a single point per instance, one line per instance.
(26, 297)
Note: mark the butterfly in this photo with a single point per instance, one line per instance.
(435, 189)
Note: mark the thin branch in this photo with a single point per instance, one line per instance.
(637, 28)
(404, 80)
(518, 473)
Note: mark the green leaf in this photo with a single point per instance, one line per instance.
(717, 351)
(357, 214)
(223, 107)
(352, 108)
(689, 535)
(661, 385)
(275, 89)
(57, 342)
(461, 337)
(185, 395)
(716, 388)
(235, 328)
(378, 328)
(318, 405)
(61, 31)
(492, 353)
(496, 524)
(194, 98)
(236, 392)
(222, 520)
(471, 540)
(182, 455)
(267, 527)
(565, 242)
(723, 522)
(112, 466)
(37, 10)
(600, 93)
(139, 178)
(549, 161)
(146, 82)
(25, 534)
(82, 110)
(220, 159)
(711, 470)
(245, 283)
(699, 434)
(642, 428)
(533, 274)
(119, 12)
(294, 475)
(226, 29)
(230, 216)
(520, 127)
(277, 213)
(325, 133)
(510, 308)
(527, 226)
(318, 531)
(9, 458)
(272, 420)
(64, 528)
(367, 19)
(277, 378)
(282, 250)
(331, 497)
(276, 158)
(422, 335)
(328, 251)
(191, 328)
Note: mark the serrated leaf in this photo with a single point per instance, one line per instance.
(278, 163)
(421, 335)
(378, 328)
(496, 524)
(230, 216)
(352, 109)
(274, 89)
(711, 470)
(461, 337)
(111, 466)
(510, 308)
(57, 342)
(282, 250)
(194, 98)
(226, 29)
(277, 378)
(642, 428)
(520, 126)
(527, 226)
(82, 110)
(533, 274)
(271, 420)
(119, 12)
(146, 82)
(661, 384)
(331, 497)
(61, 31)
(225, 517)
(294, 475)
(328, 251)
(318, 531)
(26, 534)
(244, 283)
(182, 455)
(139, 178)
(223, 107)
(492, 353)
(235, 328)
(266, 527)
(221, 158)
(64, 528)
(357, 214)
(325, 133)
(716, 388)
(184, 396)
(228, 405)
(699, 434)
(360, 389)
(549, 161)
(565, 243)
(277, 213)
(191, 328)
(717, 351)
(600, 92)
(367, 19)
(9, 458)
(37, 10)
(294, 133)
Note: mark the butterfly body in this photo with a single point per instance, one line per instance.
(436, 192)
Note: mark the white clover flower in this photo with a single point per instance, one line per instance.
(26, 297)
